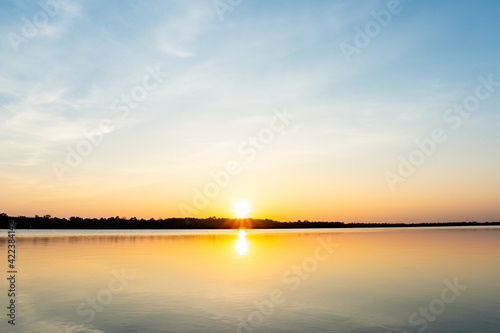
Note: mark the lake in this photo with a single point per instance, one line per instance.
(307, 280)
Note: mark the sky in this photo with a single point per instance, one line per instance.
(354, 111)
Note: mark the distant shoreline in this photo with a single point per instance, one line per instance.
(48, 222)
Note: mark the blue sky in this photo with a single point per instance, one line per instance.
(225, 78)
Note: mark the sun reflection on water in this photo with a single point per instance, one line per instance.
(242, 243)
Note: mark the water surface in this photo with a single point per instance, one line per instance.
(356, 280)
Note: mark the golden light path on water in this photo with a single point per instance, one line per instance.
(242, 243)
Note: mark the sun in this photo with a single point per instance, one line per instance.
(241, 208)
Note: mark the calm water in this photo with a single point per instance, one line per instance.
(371, 280)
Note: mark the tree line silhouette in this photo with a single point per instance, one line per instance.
(49, 222)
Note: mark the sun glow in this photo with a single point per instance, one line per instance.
(241, 208)
(241, 243)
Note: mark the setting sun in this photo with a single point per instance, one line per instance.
(241, 208)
